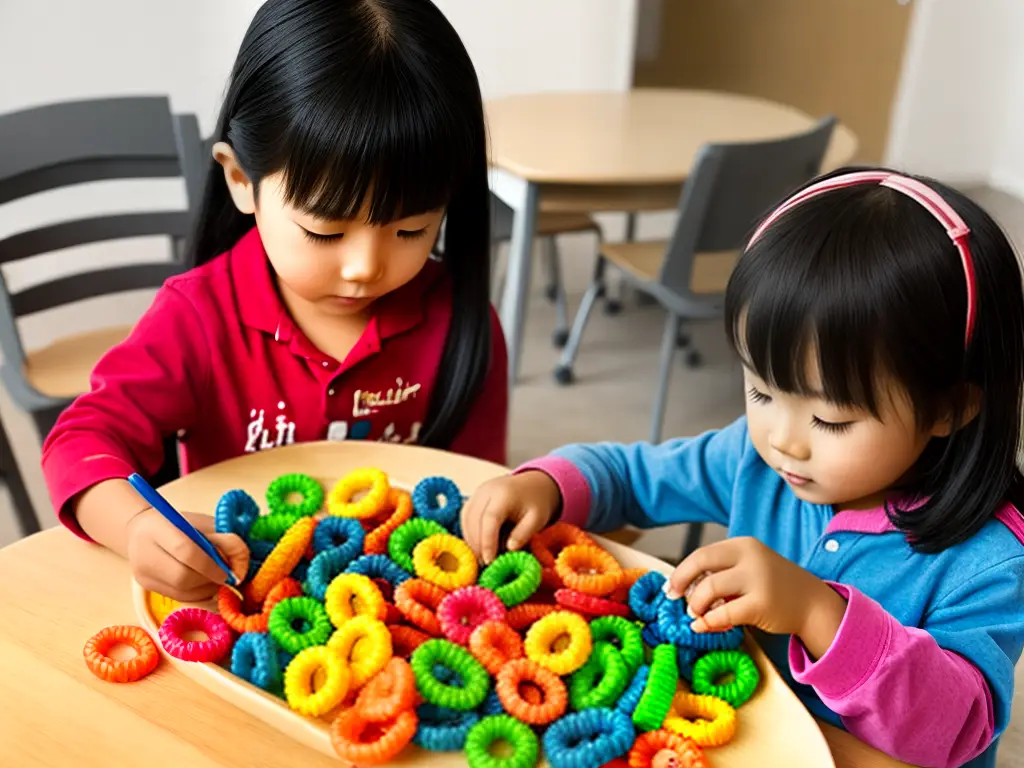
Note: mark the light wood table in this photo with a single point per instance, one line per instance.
(613, 151)
(56, 591)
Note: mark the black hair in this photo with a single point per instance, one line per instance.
(867, 279)
(371, 102)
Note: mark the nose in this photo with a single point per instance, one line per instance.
(787, 438)
(362, 260)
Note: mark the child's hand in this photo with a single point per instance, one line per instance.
(166, 561)
(759, 588)
(528, 500)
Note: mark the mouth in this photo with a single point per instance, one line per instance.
(794, 479)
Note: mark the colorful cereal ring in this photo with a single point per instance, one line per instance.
(542, 636)
(631, 697)
(105, 667)
(588, 569)
(188, 620)
(588, 738)
(548, 543)
(601, 681)
(645, 596)
(513, 577)
(650, 744)
(405, 538)
(378, 567)
(475, 680)
(523, 616)
(254, 658)
(707, 720)
(363, 643)
(717, 664)
(309, 488)
(589, 605)
(350, 595)
(524, 743)
(553, 699)
(350, 727)
(494, 644)
(282, 560)
(307, 665)
(390, 691)
(467, 608)
(624, 635)
(297, 623)
(429, 559)
(161, 606)
(426, 500)
(418, 601)
(443, 730)
(405, 640)
(656, 700)
(270, 528)
(373, 481)
(399, 510)
(235, 513)
(341, 532)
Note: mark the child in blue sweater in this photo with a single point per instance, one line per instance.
(870, 492)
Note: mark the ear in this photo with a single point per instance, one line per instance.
(241, 188)
(944, 426)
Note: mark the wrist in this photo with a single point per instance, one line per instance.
(822, 618)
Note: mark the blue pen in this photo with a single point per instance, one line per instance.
(161, 505)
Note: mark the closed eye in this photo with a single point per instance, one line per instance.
(412, 234)
(834, 427)
(758, 396)
(316, 237)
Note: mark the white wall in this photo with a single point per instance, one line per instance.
(958, 114)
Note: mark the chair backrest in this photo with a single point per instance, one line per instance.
(731, 187)
(70, 143)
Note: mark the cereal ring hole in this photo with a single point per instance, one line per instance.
(120, 652)
(500, 749)
(447, 562)
(561, 642)
(195, 636)
(725, 679)
(294, 497)
(531, 693)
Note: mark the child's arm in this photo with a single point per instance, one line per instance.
(686, 480)
(485, 433)
(937, 695)
(142, 390)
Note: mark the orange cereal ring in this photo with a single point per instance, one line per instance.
(494, 644)
(398, 509)
(589, 570)
(649, 744)
(547, 544)
(390, 691)
(629, 578)
(509, 682)
(100, 663)
(287, 553)
(405, 640)
(418, 600)
(229, 606)
(349, 733)
(522, 616)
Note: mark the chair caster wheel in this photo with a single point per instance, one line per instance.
(559, 338)
(682, 341)
(612, 307)
(563, 375)
(693, 359)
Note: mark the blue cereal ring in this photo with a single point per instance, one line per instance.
(300, 571)
(631, 696)
(588, 739)
(325, 567)
(254, 659)
(342, 532)
(236, 512)
(492, 705)
(645, 596)
(652, 636)
(674, 626)
(685, 659)
(379, 567)
(441, 729)
(425, 500)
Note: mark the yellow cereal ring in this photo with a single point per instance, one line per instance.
(373, 481)
(545, 633)
(364, 644)
(428, 561)
(300, 674)
(353, 594)
(282, 559)
(162, 606)
(707, 720)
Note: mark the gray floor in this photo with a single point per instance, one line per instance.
(611, 398)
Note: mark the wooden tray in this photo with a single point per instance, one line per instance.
(774, 727)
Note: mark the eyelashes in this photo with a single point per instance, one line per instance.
(832, 427)
(403, 234)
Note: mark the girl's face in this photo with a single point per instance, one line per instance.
(340, 267)
(834, 455)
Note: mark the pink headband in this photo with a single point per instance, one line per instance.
(923, 194)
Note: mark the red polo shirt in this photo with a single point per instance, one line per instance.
(218, 359)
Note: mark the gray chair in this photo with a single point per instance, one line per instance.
(10, 477)
(731, 186)
(64, 144)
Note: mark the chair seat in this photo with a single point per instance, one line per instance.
(62, 369)
(643, 261)
(558, 223)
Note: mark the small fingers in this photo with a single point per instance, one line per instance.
(732, 613)
(530, 523)
(235, 552)
(490, 527)
(712, 558)
(472, 511)
(720, 585)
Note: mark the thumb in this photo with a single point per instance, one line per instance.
(524, 530)
(234, 550)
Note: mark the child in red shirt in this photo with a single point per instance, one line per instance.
(316, 309)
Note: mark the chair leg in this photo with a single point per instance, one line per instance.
(563, 373)
(11, 476)
(668, 351)
(694, 534)
(556, 292)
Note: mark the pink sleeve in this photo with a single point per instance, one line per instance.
(485, 433)
(142, 390)
(571, 484)
(897, 689)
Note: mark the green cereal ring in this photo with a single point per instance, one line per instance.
(718, 664)
(513, 577)
(309, 488)
(628, 635)
(600, 681)
(656, 700)
(406, 536)
(297, 623)
(272, 527)
(524, 742)
(475, 680)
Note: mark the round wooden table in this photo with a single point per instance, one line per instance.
(56, 591)
(614, 151)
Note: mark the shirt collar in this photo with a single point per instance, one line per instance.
(260, 305)
(877, 521)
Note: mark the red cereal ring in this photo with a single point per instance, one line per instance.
(508, 685)
(589, 605)
(467, 608)
(185, 621)
(548, 544)
(522, 616)
(105, 667)
(494, 644)
(405, 640)
(418, 600)
(350, 730)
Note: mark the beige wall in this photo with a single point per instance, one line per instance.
(838, 56)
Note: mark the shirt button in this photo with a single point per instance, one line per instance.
(331, 391)
(326, 364)
(831, 545)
